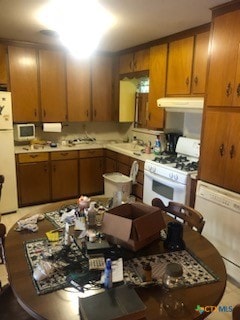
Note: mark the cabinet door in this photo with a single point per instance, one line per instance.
(91, 176)
(126, 63)
(64, 179)
(52, 85)
(200, 63)
(78, 89)
(224, 49)
(157, 78)
(213, 147)
(3, 65)
(24, 83)
(141, 60)
(180, 66)
(110, 165)
(220, 149)
(33, 183)
(236, 89)
(102, 84)
(134, 62)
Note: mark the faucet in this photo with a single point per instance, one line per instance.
(140, 142)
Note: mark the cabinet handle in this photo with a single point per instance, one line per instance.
(33, 156)
(45, 168)
(149, 116)
(221, 150)
(54, 168)
(95, 113)
(64, 154)
(196, 80)
(44, 113)
(238, 90)
(232, 151)
(228, 89)
(87, 113)
(35, 112)
(187, 81)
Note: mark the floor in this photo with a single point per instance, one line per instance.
(230, 298)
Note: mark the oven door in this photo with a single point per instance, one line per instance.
(156, 186)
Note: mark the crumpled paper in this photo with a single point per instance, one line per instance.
(29, 223)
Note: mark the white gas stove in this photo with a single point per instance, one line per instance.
(167, 176)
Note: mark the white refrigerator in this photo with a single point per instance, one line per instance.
(8, 201)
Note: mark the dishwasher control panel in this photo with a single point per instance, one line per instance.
(220, 196)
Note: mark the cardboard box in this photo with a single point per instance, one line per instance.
(133, 226)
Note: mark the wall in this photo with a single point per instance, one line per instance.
(190, 124)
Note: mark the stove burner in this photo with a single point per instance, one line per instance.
(164, 160)
(189, 166)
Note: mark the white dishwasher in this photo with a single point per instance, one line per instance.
(221, 211)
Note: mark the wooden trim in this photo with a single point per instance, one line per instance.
(176, 36)
(225, 8)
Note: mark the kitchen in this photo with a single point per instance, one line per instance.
(188, 123)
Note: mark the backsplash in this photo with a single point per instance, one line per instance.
(98, 130)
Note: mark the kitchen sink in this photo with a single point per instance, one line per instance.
(129, 146)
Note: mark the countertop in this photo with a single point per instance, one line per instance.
(124, 148)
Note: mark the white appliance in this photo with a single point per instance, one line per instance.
(221, 211)
(8, 202)
(168, 175)
(182, 104)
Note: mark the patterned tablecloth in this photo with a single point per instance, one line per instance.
(195, 272)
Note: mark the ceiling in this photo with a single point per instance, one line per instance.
(137, 21)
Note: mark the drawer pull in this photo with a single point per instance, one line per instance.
(33, 156)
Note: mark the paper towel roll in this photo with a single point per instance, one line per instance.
(52, 127)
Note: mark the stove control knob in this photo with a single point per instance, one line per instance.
(171, 175)
(175, 177)
(153, 169)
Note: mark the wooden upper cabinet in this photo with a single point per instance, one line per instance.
(102, 87)
(223, 81)
(52, 85)
(157, 81)
(220, 156)
(78, 89)
(23, 69)
(3, 65)
(180, 59)
(134, 62)
(200, 63)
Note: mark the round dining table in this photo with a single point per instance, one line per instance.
(64, 304)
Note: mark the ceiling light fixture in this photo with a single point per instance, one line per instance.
(80, 24)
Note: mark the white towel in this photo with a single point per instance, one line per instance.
(134, 171)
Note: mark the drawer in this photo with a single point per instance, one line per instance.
(33, 157)
(91, 153)
(110, 154)
(61, 155)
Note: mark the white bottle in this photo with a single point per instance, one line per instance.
(92, 215)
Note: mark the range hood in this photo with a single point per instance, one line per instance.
(186, 104)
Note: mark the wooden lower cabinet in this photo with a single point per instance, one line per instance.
(110, 161)
(91, 169)
(33, 175)
(137, 188)
(64, 175)
(44, 177)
